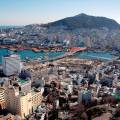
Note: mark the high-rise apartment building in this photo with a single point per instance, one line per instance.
(11, 64)
(21, 101)
(2, 98)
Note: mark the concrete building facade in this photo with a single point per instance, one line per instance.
(21, 101)
(2, 98)
(11, 64)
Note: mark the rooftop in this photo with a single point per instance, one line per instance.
(22, 81)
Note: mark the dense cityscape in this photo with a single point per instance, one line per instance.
(68, 69)
(64, 87)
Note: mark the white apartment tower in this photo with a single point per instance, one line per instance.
(11, 65)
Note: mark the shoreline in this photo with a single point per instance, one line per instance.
(33, 48)
(69, 52)
(41, 48)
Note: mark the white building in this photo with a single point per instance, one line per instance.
(70, 89)
(11, 65)
(79, 79)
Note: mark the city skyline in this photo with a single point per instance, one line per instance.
(43, 11)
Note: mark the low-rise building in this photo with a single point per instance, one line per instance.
(84, 96)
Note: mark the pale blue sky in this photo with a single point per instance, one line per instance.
(20, 12)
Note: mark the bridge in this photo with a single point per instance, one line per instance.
(71, 52)
(77, 49)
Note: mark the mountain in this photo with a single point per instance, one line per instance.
(85, 21)
(80, 30)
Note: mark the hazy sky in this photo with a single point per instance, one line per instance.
(20, 12)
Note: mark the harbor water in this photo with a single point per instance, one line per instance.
(35, 55)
